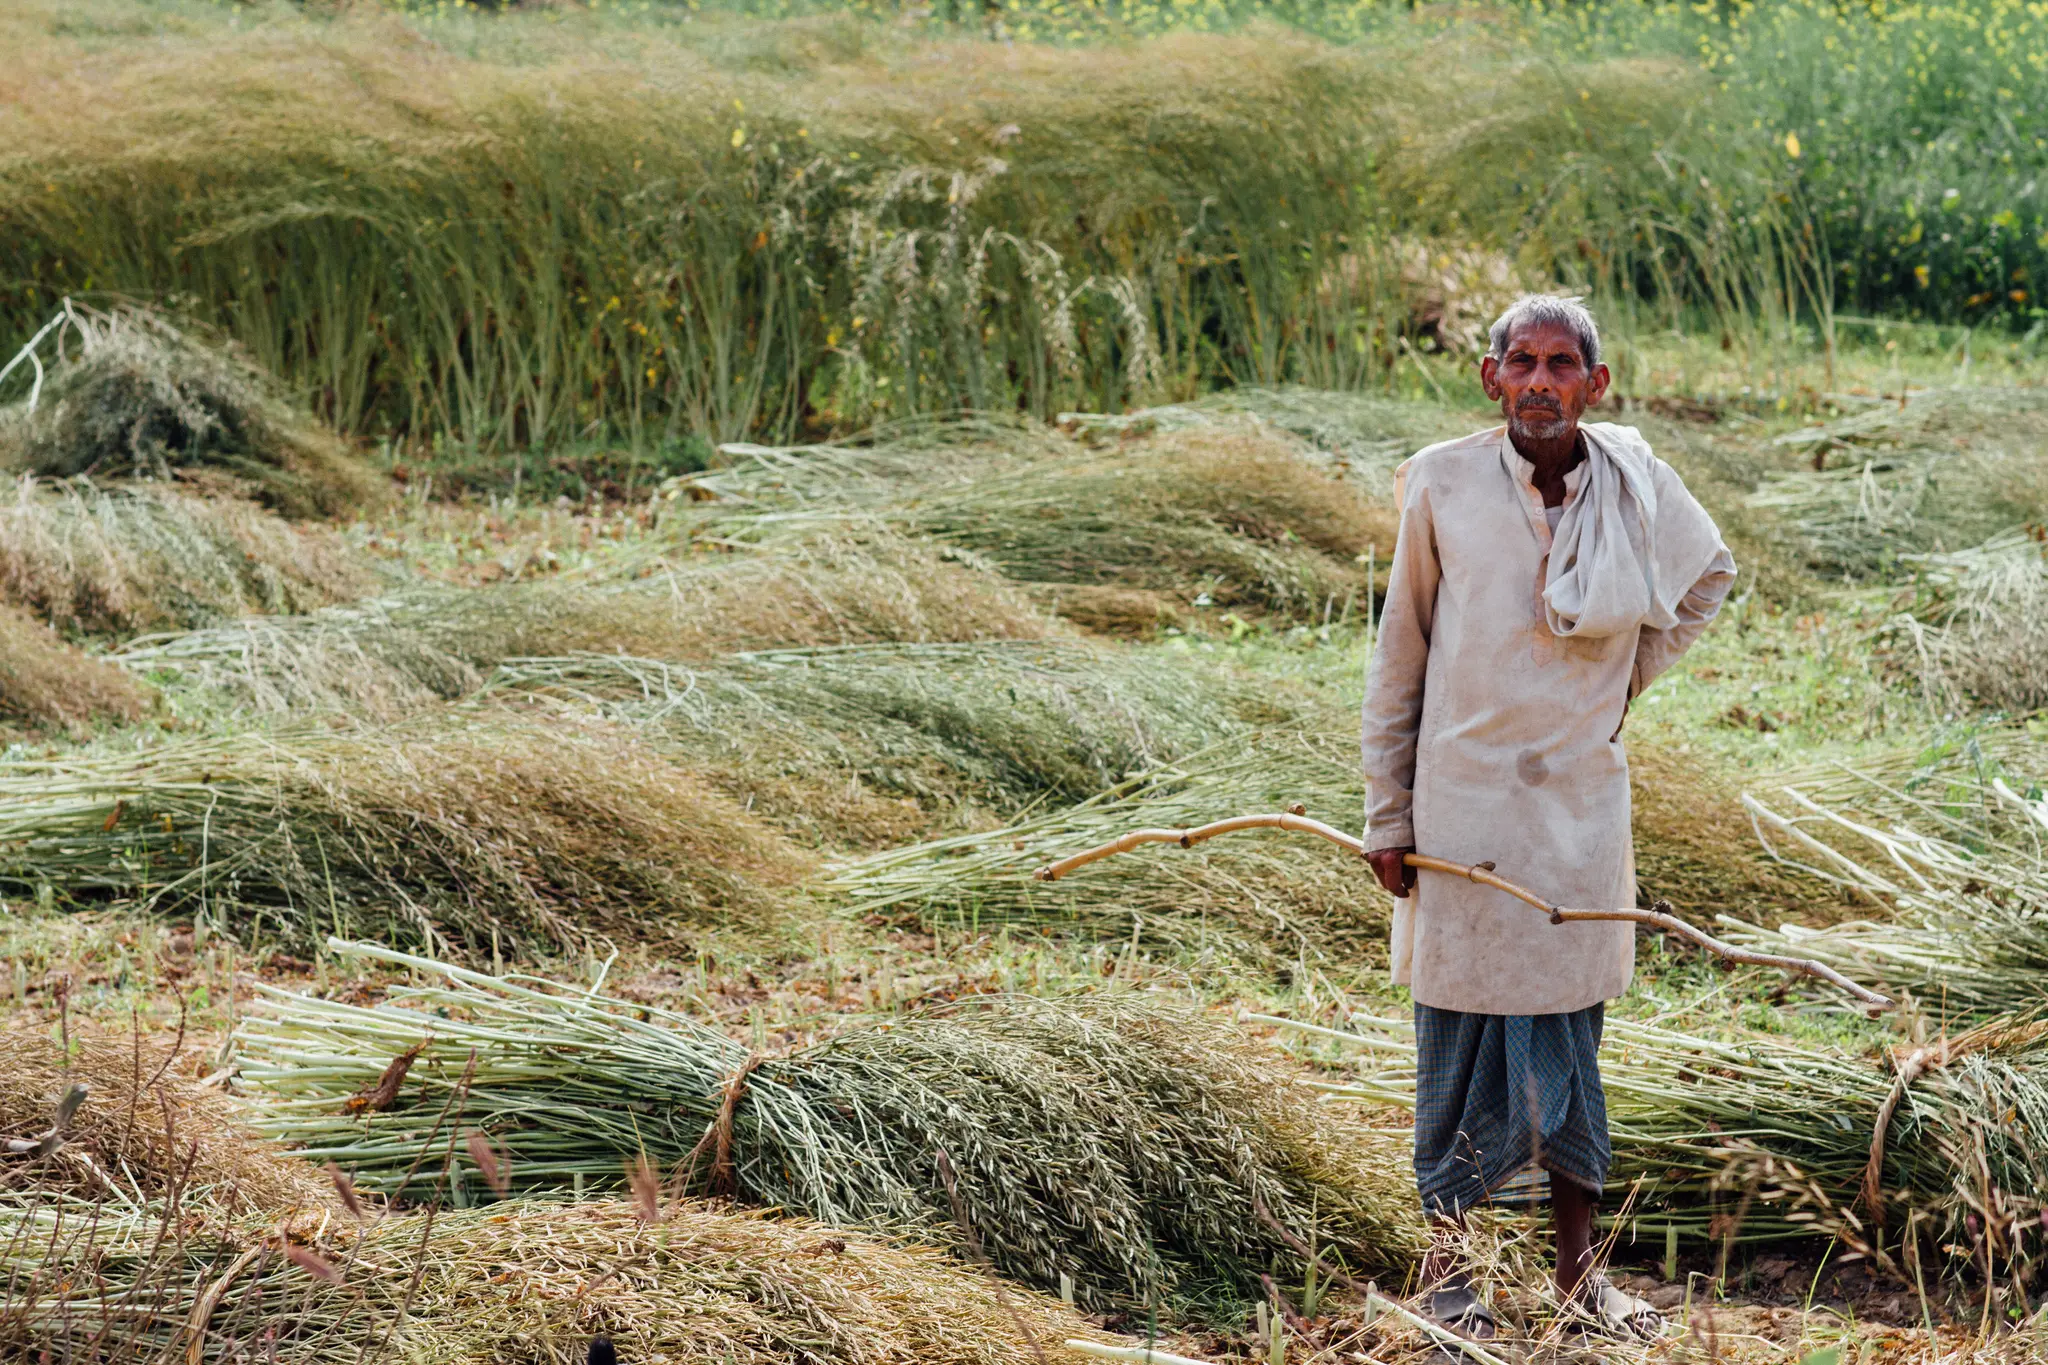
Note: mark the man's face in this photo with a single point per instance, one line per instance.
(1542, 383)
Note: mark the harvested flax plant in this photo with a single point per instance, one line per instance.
(467, 832)
(152, 557)
(387, 656)
(998, 726)
(1115, 1142)
(140, 398)
(1984, 632)
(1896, 1148)
(143, 1130)
(1954, 849)
(519, 1281)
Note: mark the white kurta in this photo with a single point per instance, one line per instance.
(1487, 737)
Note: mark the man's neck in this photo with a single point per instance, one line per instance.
(1553, 459)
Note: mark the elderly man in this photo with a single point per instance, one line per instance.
(1545, 573)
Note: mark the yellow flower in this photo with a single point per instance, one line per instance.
(739, 137)
(1920, 274)
(1792, 145)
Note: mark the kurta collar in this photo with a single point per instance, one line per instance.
(1522, 474)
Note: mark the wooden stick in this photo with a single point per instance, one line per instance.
(1658, 916)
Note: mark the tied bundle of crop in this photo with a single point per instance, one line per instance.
(686, 1284)
(1733, 1134)
(472, 833)
(386, 656)
(141, 398)
(1111, 1142)
(1949, 844)
(1943, 472)
(115, 561)
(1253, 899)
(1002, 726)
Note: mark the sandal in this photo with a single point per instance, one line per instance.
(1613, 1313)
(1459, 1309)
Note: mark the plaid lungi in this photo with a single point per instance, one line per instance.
(1496, 1094)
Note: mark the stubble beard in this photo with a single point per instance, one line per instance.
(1539, 424)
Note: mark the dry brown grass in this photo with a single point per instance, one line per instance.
(159, 556)
(146, 1127)
(48, 684)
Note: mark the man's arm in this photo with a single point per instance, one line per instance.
(1657, 650)
(1393, 692)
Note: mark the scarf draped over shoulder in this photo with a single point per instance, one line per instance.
(1623, 556)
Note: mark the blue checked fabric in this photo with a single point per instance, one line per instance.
(1496, 1094)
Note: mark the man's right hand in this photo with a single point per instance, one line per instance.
(1394, 875)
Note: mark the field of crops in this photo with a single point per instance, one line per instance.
(564, 567)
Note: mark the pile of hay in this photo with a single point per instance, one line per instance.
(467, 833)
(48, 684)
(1116, 1142)
(140, 398)
(145, 1133)
(518, 1281)
(117, 561)
(387, 656)
(819, 736)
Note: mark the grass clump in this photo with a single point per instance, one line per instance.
(149, 557)
(1113, 1140)
(468, 833)
(688, 1284)
(48, 684)
(142, 399)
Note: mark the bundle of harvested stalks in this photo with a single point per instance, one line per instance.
(46, 683)
(388, 656)
(1266, 894)
(998, 726)
(518, 1281)
(140, 398)
(1945, 471)
(1952, 849)
(1740, 1135)
(1984, 633)
(1230, 513)
(1115, 1142)
(152, 557)
(143, 1132)
(476, 833)
(1256, 898)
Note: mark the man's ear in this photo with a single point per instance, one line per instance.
(1489, 376)
(1596, 385)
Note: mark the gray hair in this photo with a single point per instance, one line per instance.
(1564, 310)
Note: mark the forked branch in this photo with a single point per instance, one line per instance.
(1658, 916)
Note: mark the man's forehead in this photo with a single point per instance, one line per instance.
(1544, 338)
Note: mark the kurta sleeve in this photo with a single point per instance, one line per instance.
(1657, 650)
(1393, 691)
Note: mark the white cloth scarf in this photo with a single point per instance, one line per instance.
(1621, 559)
